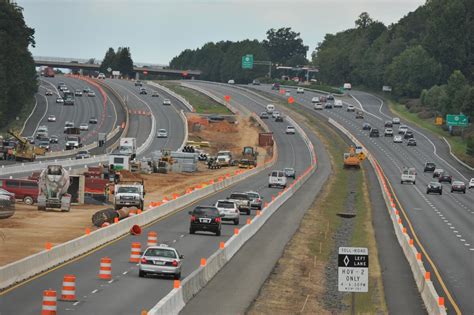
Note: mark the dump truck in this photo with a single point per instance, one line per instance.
(351, 159)
(53, 185)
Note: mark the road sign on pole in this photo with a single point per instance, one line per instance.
(353, 269)
(456, 120)
(247, 62)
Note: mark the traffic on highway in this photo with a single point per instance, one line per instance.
(149, 169)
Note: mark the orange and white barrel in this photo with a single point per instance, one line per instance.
(49, 306)
(135, 253)
(68, 292)
(105, 271)
(152, 238)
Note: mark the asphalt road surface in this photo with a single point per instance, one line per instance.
(443, 224)
(127, 293)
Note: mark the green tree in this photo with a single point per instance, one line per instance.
(108, 61)
(284, 44)
(123, 61)
(364, 20)
(412, 71)
(17, 69)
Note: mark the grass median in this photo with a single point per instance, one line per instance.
(201, 103)
(304, 280)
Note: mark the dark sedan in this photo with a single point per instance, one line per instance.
(435, 188)
(445, 178)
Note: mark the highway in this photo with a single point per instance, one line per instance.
(128, 294)
(443, 224)
(167, 117)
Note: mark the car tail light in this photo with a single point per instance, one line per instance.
(193, 218)
(218, 220)
(144, 261)
(174, 263)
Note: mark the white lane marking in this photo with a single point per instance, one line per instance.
(95, 291)
(111, 281)
(39, 122)
(75, 303)
(124, 273)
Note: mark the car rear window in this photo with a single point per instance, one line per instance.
(253, 195)
(225, 204)
(239, 196)
(205, 211)
(161, 252)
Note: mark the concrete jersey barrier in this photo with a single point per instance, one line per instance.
(175, 301)
(425, 287)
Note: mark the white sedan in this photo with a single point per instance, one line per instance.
(162, 133)
(91, 94)
(395, 120)
(84, 127)
(300, 90)
(166, 102)
(471, 183)
(290, 130)
(397, 139)
(59, 100)
(51, 118)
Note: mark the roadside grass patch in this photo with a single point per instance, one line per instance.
(201, 103)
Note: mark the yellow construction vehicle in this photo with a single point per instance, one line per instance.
(351, 159)
(24, 150)
(249, 156)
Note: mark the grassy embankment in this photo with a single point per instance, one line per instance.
(201, 103)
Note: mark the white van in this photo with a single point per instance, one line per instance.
(337, 104)
(408, 176)
(277, 178)
(270, 108)
(347, 86)
(101, 76)
(315, 100)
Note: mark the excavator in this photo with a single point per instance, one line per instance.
(24, 150)
(352, 159)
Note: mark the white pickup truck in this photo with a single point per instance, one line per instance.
(408, 176)
(224, 158)
(129, 194)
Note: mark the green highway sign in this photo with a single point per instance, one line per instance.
(247, 62)
(456, 120)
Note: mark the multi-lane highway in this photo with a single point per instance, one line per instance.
(443, 224)
(127, 293)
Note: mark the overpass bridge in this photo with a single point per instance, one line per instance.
(86, 64)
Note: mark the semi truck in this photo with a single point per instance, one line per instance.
(48, 72)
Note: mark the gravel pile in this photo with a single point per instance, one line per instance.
(333, 299)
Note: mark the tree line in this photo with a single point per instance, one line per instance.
(428, 54)
(18, 81)
(221, 61)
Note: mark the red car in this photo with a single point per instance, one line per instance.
(24, 189)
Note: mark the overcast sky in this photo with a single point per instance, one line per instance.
(158, 30)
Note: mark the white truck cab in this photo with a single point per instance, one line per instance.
(270, 108)
(277, 178)
(129, 194)
(224, 158)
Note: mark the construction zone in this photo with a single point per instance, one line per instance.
(60, 204)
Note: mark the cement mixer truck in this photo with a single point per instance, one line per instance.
(53, 184)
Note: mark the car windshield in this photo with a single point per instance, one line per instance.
(253, 195)
(127, 190)
(205, 211)
(289, 170)
(162, 130)
(82, 152)
(225, 204)
(160, 252)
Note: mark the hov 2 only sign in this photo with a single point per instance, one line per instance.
(353, 269)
